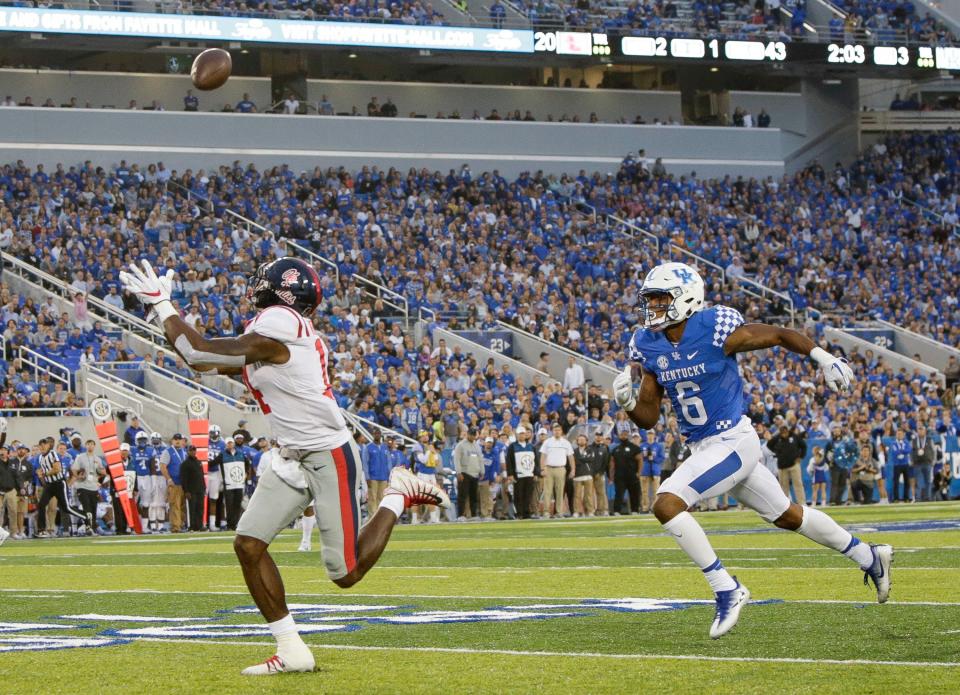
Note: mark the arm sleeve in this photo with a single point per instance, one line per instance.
(726, 321)
(510, 461)
(280, 324)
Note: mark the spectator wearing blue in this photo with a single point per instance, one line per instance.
(410, 417)
(396, 453)
(498, 13)
(376, 462)
(840, 454)
(171, 461)
(922, 459)
(191, 102)
(130, 434)
(652, 455)
(898, 452)
(491, 471)
(245, 105)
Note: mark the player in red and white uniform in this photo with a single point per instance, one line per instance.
(284, 364)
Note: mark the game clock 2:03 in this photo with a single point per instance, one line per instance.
(850, 54)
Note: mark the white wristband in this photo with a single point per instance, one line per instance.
(821, 356)
(164, 310)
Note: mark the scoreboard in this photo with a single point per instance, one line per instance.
(748, 51)
(599, 47)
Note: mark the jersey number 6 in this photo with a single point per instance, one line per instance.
(691, 406)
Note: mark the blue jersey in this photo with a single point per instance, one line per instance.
(142, 460)
(491, 464)
(900, 452)
(214, 450)
(703, 383)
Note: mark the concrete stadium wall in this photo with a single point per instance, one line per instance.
(115, 90)
(202, 140)
(786, 109)
(32, 429)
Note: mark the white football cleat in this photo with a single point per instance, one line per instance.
(879, 571)
(304, 663)
(729, 604)
(4, 535)
(416, 491)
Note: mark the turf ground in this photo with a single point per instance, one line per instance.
(587, 606)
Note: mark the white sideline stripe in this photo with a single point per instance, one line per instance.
(174, 592)
(354, 154)
(511, 570)
(588, 655)
(817, 552)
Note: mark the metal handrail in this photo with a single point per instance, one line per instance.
(555, 346)
(110, 314)
(51, 412)
(918, 336)
(364, 424)
(389, 297)
(97, 370)
(762, 291)
(202, 388)
(45, 364)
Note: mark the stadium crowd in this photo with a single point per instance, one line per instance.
(519, 240)
(882, 442)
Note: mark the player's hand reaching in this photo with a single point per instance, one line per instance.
(147, 287)
(623, 390)
(836, 371)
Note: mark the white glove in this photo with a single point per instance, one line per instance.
(836, 371)
(3, 424)
(623, 390)
(152, 291)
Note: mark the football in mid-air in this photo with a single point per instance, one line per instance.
(211, 69)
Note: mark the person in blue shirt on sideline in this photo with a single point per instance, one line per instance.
(688, 352)
(491, 471)
(376, 463)
(898, 452)
(651, 452)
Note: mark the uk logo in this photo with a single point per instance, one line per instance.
(290, 277)
(683, 274)
(676, 356)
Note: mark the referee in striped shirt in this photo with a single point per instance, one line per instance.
(54, 479)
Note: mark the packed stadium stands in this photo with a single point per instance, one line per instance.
(416, 233)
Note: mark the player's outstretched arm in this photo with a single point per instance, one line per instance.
(221, 355)
(643, 408)
(757, 336)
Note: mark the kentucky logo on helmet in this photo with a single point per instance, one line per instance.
(290, 277)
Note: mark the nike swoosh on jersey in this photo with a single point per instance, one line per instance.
(692, 354)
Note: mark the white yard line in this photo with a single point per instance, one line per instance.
(590, 655)
(795, 552)
(349, 595)
(506, 570)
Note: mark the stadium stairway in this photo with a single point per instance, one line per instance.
(902, 341)
(140, 337)
(671, 251)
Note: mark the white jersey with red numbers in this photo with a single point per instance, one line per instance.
(296, 396)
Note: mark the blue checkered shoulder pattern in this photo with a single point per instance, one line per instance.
(727, 320)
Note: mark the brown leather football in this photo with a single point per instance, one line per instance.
(211, 69)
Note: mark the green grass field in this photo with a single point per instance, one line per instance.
(524, 601)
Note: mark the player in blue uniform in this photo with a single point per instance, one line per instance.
(142, 463)
(688, 352)
(215, 508)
